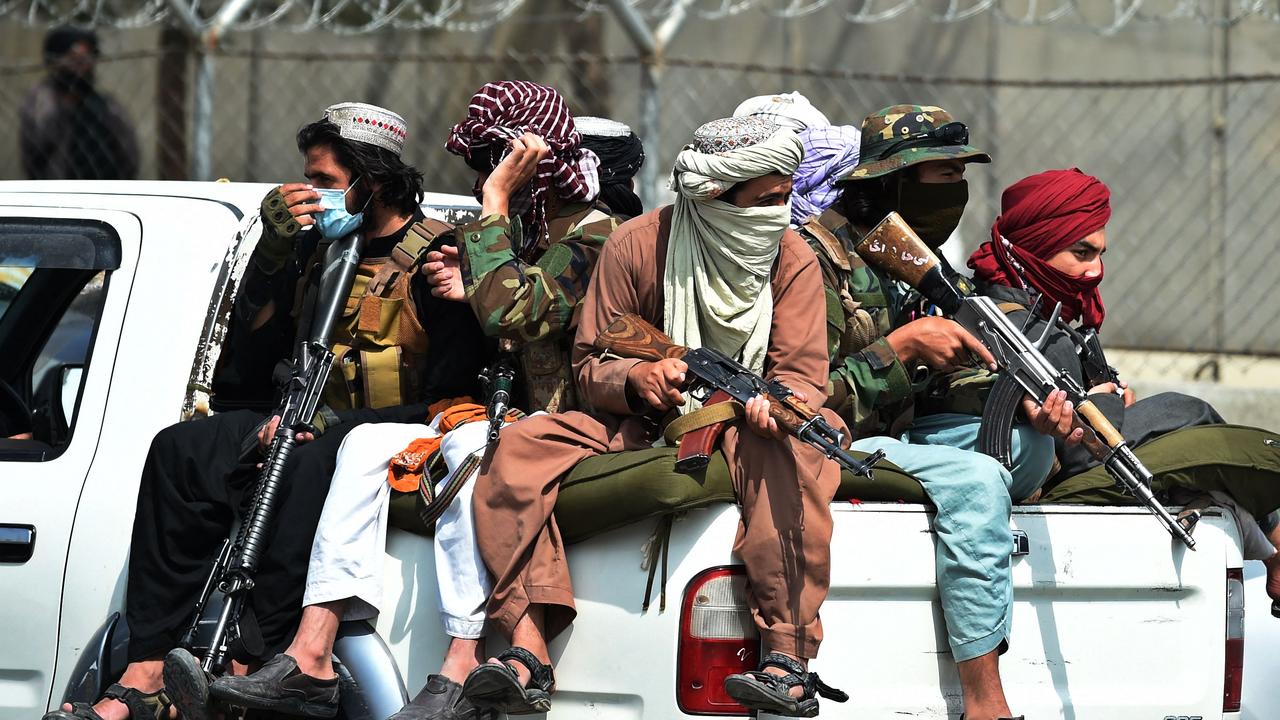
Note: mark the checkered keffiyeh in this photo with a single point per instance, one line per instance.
(500, 112)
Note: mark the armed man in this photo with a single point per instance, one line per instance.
(523, 268)
(718, 269)
(892, 365)
(197, 473)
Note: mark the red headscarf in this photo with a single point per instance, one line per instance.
(499, 112)
(1040, 216)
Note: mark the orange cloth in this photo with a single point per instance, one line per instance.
(407, 467)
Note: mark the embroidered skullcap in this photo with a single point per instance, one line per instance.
(500, 112)
(728, 134)
(789, 110)
(369, 124)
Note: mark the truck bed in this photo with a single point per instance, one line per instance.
(1112, 619)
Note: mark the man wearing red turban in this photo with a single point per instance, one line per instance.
(1049, 241)
(1049, 238)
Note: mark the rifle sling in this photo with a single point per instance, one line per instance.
(995, 434)
(702, 417)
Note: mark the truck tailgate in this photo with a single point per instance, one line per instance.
(1111, 618)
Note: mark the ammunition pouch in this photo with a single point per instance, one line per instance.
(379, 343)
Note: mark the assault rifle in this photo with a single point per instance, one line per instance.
(632, 336)
(893, 247)
(233, 572)
(497, 380)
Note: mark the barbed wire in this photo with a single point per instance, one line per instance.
(367, 16)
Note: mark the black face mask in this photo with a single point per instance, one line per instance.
(933, 210)
(71, 82)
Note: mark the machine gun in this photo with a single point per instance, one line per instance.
(893, 247)
(632, 336)
(233, 572)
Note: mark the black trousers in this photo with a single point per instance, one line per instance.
(193, 487)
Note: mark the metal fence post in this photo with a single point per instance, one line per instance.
(652, 46)
(202, 118)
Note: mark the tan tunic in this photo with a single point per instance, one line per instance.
(784, 488)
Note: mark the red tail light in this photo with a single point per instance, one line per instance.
(717, 639)
(1233, 673)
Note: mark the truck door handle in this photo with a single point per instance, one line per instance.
(1021, 543)
(17, 543)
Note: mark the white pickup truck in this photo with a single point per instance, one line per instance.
(110, 299)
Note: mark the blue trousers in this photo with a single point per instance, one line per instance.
(974, 495)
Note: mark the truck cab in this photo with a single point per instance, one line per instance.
(114, 298)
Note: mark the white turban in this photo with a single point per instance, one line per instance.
(789, 110)
(720, 256)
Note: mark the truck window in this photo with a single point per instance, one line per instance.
(54, 276)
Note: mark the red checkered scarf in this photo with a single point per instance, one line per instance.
(500, 112)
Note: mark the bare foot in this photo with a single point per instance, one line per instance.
(461, 658)
(144, 676)
(1273, 576)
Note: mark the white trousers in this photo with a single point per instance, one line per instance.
(348, 554)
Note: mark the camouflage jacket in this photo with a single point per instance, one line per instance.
(869, 386)
(530, 300)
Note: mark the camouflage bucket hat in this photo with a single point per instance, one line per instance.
(905, 135)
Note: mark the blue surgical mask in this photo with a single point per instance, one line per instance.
(335, 222)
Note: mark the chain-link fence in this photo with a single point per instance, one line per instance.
(1192, 163)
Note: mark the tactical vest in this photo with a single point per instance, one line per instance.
(379, 345)
(546, 364)
(858, 310)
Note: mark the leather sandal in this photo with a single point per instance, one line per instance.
(766, 692)
(142, 706)
(497, 687)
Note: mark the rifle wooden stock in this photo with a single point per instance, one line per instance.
(631, 336)
(892, 246)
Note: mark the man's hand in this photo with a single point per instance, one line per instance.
(444, 273)
(268, 431)
(1122, 388)
(659, 383)
(303, 202)
(1055, 418)
(22, 436)
(759, 420)
(939, 343)
(513, 173)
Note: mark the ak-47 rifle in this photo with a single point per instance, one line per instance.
(893, 247)
(233, 572)
(631, 336)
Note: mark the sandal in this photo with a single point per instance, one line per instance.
(142, 706)
(765, 692)
(498, 687)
